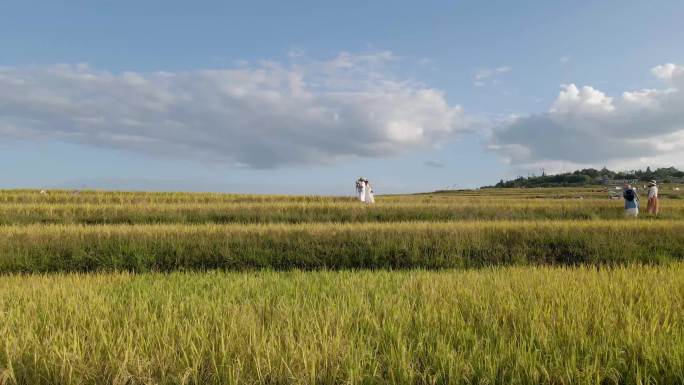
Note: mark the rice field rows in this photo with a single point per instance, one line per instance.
(461, 209)
(41, 248)
(544, 325)
(528, 286)
(108, 231)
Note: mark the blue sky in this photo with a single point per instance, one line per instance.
(306, 96)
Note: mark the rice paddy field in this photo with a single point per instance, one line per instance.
(493, 286)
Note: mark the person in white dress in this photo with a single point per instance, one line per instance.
(361, 189)
(370, 196)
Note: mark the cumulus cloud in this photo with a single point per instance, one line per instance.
(261, 115)
(668, 71)
(584, 126)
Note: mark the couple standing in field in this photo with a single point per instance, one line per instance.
(632, 199)
(364, 191)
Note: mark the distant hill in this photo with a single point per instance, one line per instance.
(590, 176)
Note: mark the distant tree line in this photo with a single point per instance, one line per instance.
(590, 176)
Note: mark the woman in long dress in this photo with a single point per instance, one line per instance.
(361, 189)
(370, 197)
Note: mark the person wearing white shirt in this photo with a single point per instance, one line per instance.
(652, 207)
(370, 195)
(361, 189)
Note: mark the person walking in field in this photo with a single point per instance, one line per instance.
(370, 196)
(631, 201)
(652, 206)
(361, 189)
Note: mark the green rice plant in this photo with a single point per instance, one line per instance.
(123, 197)
(453, 209)
(396, 245)
(531, 325)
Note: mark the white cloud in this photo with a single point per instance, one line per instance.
(485, 75)
(255, 115)
(585, 127)
(587, 100)
(668, 71)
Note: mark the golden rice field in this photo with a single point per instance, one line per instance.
(528, 286)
